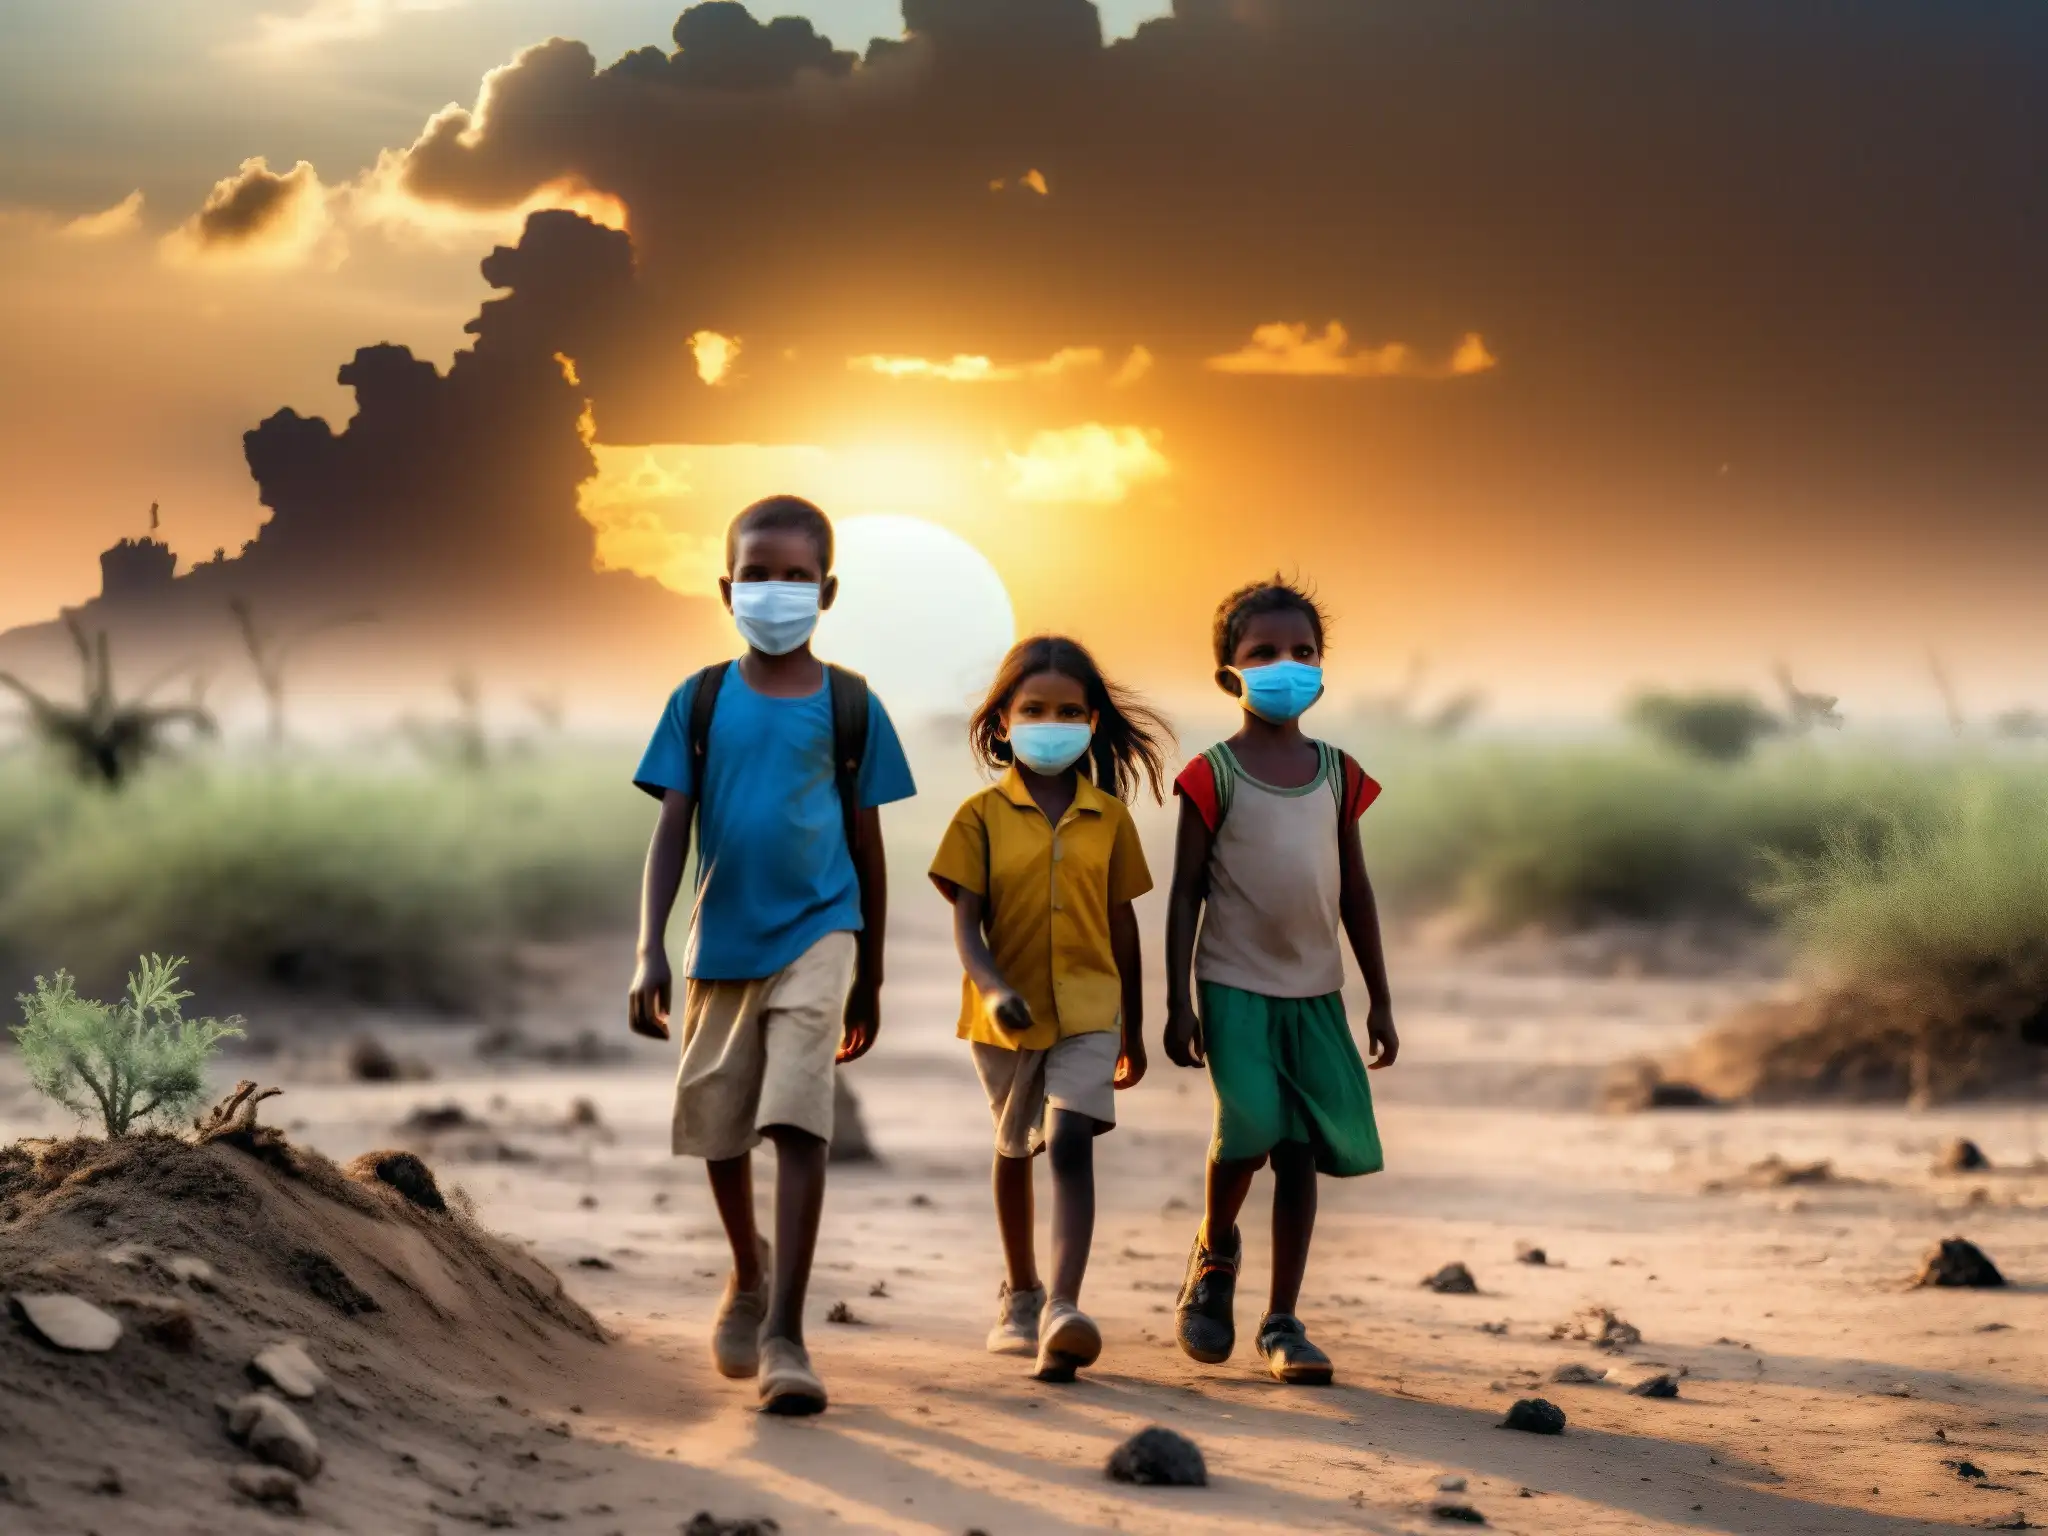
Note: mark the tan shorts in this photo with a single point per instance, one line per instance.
(1078, 1074)
(759, 1053)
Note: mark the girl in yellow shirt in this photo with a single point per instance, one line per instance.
(1042, 868)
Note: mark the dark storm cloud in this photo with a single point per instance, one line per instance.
(253, 203)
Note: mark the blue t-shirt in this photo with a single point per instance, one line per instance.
(774, 874)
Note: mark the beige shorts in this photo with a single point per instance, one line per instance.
(759, 1053)
(1078, 1074)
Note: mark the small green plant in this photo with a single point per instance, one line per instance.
(126, 1061)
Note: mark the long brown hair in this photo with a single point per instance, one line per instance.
(1131, 738)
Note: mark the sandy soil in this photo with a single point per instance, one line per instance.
(1819, 1393)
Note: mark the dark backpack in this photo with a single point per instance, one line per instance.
(849, 735)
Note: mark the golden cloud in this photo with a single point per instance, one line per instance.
(1093, 464)
(715, 355)
(969, 368)
(379, 199)
(124, 218)
(1135, 367)
(258, 218)
(334, 21)
(1291, 350)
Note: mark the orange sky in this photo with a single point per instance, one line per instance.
(1571, 358)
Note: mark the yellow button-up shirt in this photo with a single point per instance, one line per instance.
(1049, 892)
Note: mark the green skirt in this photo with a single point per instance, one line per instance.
(1287, 1069)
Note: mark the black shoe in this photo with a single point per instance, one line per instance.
(1202, 1318)
(1284, 1346)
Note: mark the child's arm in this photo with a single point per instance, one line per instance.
(864, 1002)
(647, 1003)
(1362, 926)
(1130, 970)
(997, 996)
(1183, 917)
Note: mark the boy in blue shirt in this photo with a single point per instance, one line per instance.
(782, 762)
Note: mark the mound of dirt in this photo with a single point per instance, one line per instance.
(1972, 1035)
(413, 1320)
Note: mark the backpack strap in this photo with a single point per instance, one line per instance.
(1223, 774)
(1334, 775)
(702, 702)
(850, 707)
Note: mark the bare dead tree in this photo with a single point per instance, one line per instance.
(270, 655)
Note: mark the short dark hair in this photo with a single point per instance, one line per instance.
(1131, 738)
(789, 513)
(1277, 595)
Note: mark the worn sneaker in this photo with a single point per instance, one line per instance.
(788, 1384)
(736, 1330)
(1017, 1315)
(1067, 1340)
(1203, 1320)
(1284, 1346)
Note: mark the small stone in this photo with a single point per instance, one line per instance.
(67, 1322)
(1969, 1471)
(843, 1314)
(1450, 1482)
(588, 1202)
(592, 1261)
(1573, 1374)
(1535, 1416)
(275, 1434)
(1157, 1457)
(704, 1523)
(1454, 1279)
(404, 1172)
(1457, 1510)
(288, 1368)
(1529, 1253)
(266, 1485)
(1663, 1384)
(194, 1271)
(128, 1255)
(1955, 1261)
(1962, 1156)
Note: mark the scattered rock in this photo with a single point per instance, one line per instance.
(193, 1271)
(129, 1255)
(1774, 1172)
(165, 1322)
(67, 1322)
(1456, 1510)
(1529, 1253)
(922, 1202)
(439, 1120)
(1955, 1261)
(1535, 1416)
(404, 1172)
(287, 1367)
(1498, 1329)
(1663, 1384)
(850, 1142)
(1454, 1279)
(1632, 1086)
(330, 1282)
(271, 1486)
(274, 1433)
(2016, 1521)
(370, 1060)
(1601, 1328)
(583, 1116)
(880, 1290)
(1450, 1482)
(842, 1313)
(1969, 1471)
(592, 1261)
(1573, 1374)
(1157, 1457)
(587, 1203)
(586, 1048)
(704, 1523)
(1962, 1156)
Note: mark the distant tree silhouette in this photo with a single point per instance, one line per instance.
(104, 738)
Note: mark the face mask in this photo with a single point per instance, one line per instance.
(775, 616)
(1280, 690)
(1050, 746)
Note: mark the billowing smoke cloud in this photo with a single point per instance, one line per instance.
(256, 217)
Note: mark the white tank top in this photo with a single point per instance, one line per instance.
(1273, 923)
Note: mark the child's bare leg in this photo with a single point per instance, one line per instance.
(732, 1191)
(1294, 1222)
(1071, 1150)
(1228, 1185)
(1014, 1218)
(799, 1202)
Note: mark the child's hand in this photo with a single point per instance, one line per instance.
(1381, 1035)
(863, 1021)
(648, 999)
(1130, 1063)
(1184, 1037)
(1007, 1011)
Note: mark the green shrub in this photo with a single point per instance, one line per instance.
(1716, 727)
(137, 1059)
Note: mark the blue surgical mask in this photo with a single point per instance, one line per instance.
(775, 616)
(1050, 746)
(1280, 690)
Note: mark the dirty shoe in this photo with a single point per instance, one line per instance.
(1203, 1320)
(1067, 1340)
(736, 1331)
(788, 1384)
(1017, 1314)
(1284, 1346)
